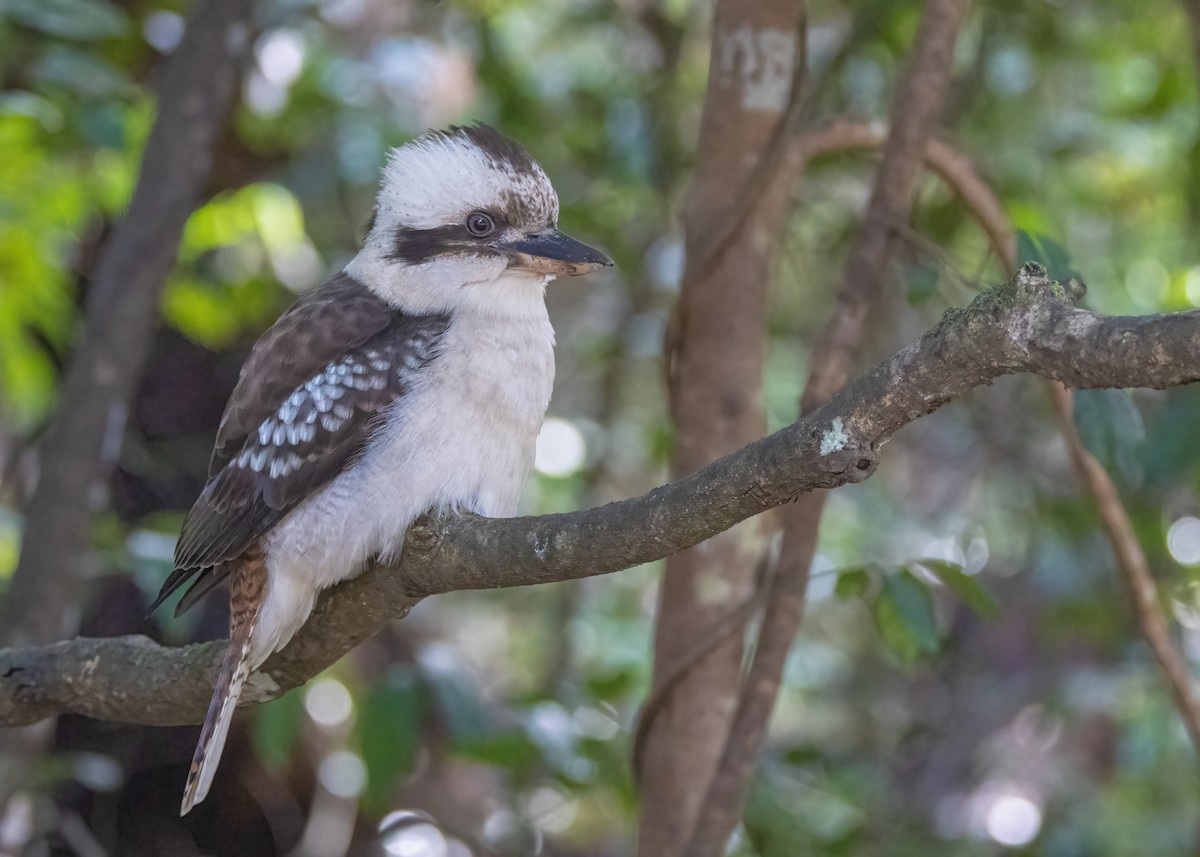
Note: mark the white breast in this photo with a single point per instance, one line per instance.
(462, 437)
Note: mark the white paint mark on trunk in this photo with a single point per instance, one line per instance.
(759, 63)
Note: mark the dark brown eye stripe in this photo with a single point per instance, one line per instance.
(414, 246)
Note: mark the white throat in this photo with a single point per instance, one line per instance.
(469, 285)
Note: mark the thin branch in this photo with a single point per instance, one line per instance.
(1151, 620)
(916, 106)
(1026, 325)
(1131, 559)
(952, 166)
(956, 169)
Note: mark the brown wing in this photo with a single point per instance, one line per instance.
(308, 434)
(317, 329)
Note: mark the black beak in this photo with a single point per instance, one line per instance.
(553, 253)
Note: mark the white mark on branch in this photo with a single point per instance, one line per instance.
(760, 63)
(539, 548)
(835, 439)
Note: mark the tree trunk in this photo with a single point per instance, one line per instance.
(916, 106)
(715, 364)
(194, 93)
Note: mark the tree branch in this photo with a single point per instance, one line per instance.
(916, 107)
(1029, 324)
(731, 231)
(951, 165)
(1127, 549)
(1131, 559)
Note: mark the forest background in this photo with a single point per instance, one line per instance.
(984, 665)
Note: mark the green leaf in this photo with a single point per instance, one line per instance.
(904, 615)
(1170, 452)
(785, 816)
(87, 75)
(512, 750)
(853, 583)
(198, 311)
(966, 587)
(1111, 428)
(389, 733)
(612, 684)
(81, 20)
(922, 281)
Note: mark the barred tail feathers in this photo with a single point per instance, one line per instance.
(245, 600)
(235, 669)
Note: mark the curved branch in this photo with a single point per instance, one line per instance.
(1029, 324)
(1127, 549)
(951, 165)
(1135, 568)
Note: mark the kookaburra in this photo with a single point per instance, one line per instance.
(415, 379)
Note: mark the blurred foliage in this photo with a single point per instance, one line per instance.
(976, 686)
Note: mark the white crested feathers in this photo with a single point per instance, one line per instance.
(441, 177)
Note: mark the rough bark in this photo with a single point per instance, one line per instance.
(193, 95)
(916, 106)
(1027, 325)
(715, 363)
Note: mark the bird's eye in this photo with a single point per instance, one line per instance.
(480, 224)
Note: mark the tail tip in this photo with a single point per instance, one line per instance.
(192, 793)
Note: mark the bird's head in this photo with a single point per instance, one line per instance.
(466, 218)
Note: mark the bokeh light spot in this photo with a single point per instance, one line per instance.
(1183, 541)
(163, 30)
(1013, 820)
(343, 774)
(328, 703)
(411, 834)
(561, 449)
(280, 56)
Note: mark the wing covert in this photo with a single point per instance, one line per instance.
(317, 329)
(308, 434)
